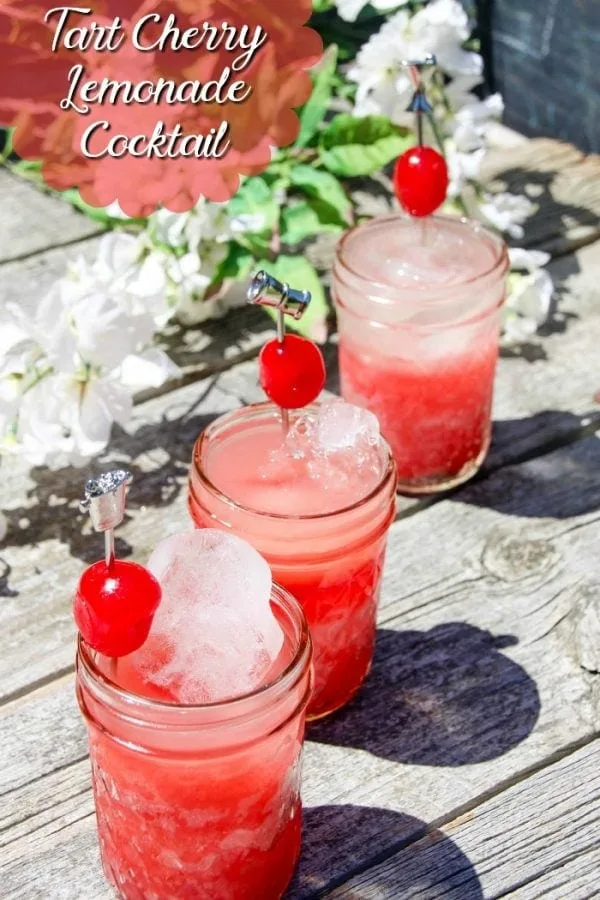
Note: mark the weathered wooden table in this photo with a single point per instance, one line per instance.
(469, 766)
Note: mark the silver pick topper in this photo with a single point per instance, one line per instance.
(104, 499)
(419, 105)
(266, 290)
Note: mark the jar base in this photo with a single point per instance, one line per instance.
(444, 483)
(324, 714)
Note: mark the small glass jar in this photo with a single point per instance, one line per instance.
(418, 308)
(199, 801)
(331, 562)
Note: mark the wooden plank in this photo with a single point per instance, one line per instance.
(47, 538)
(33, 221)
(561, 181)
(540, 838)
(476, 680)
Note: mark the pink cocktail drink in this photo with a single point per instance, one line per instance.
(197, 801)
(320, 522)
(418, 306)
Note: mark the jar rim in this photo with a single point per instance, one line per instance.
(259, 409)
(236, 707)
(500, 261)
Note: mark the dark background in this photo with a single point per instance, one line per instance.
(544, 57)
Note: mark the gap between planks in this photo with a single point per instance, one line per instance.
(455, 816)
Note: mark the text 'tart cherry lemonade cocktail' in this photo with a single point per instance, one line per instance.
(194, 682)
(418, 307)
(312, 487)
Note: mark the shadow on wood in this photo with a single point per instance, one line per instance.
(158, 455)
(560, 484)
(517, 440)
(443, 697)
(341, 841)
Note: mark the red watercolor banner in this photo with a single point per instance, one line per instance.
(154, 103)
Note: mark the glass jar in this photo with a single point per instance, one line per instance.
(418, 307)
(199, 802)
(331, 562)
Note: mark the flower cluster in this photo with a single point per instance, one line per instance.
(461, 123)
(71, 364)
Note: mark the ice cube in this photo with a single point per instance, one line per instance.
(214, 635)
(342, 426)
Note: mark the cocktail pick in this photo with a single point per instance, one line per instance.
(421, 173)
(291, 368)
(104, 498)
(115, 600)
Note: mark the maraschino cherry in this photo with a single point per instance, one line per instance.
(421, 180)
(421, 173)
(115, 600)
(291, 368)
(291, 371)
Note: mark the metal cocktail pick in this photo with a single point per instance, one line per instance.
(419, 105)
(104, 499)
(266, 290)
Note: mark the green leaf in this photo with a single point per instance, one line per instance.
(311, 114)
(6, 135)
(97, 213)
(325, 187)
(321, 5)
(350, 146)
(236, 265)
(307, 218)
(299, 273)
(255, 197)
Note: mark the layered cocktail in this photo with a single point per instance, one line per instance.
(195, 738)
(317, 503)
(418, 305)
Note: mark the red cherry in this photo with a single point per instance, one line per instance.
(114, 607)
(421, 180)
(292, 371)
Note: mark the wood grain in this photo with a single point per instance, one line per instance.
(539, 838)
(540, 401)
(476, 680)
(562, 183)
(33, 221)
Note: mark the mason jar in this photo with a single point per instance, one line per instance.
(418, 306)
(199, 801)
(331, 562)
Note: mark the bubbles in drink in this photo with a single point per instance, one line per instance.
(214, 635)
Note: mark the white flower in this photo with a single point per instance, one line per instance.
(507, 212)
(441, 28)
(384, 85)
(470, 122)
(529, 296)
(70, 363)
(151, 368)
(115, 211)
(63, 421)
(462, 167)
(349, 9)
(522, 260)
